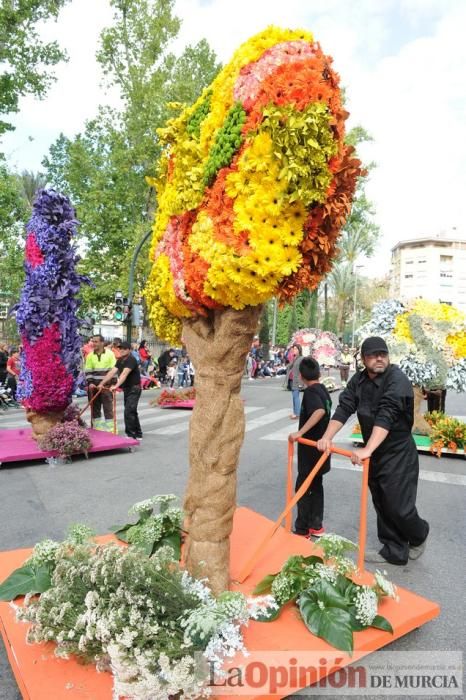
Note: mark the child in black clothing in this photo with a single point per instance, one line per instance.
(313, 421)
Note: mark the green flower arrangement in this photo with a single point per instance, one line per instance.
(331, 604)
(153, 530)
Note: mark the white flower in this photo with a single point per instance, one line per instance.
(282, 587)
(366, 602)
(261, 605)
(44, 553)
(384, 586)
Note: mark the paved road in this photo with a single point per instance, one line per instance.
(40, 501)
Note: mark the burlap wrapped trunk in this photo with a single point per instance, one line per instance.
(42, 422)
(217, 346)
(420, 425)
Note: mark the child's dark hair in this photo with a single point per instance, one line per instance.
(309, 369)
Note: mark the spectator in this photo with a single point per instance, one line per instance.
(164, 360)
(171, 373)
(145, 356)
(3, 363)
(295, 381)
(192, 373)
(13, 367)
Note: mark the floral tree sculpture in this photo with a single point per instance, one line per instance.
(255, 183)
(46, 313)
(323, 346)
(428, 341)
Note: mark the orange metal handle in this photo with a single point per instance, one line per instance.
(292, 500)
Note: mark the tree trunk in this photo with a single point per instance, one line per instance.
(217, 346)
(42, 422)
(420, 425)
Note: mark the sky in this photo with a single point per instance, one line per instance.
(402, 63)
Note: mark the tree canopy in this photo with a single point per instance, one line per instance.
(24, 58)
(103, 169)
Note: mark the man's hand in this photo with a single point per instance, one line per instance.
(358, 456)
(293, 437)
(101, 385)
(324, 444)
(92, 387)
(114, 387)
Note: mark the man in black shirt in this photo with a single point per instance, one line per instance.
(130, 381)
(382, 396)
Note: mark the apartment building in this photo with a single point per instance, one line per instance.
(433, 268)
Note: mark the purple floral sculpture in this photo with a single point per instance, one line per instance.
(46, 313)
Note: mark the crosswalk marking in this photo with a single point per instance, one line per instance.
(271, 417)
(175, 429)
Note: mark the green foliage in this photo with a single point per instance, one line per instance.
(25, 580)
(153, 531)
(332, 606)
(193, 126)
(324, 613)
(23, 56)
(311, 141)
(103, 169)
(227, 142)
(264, 331)
(14, 212)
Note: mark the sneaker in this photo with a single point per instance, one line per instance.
(374, 557)
(415, 552)
(316, 533)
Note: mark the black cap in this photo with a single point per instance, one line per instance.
(372, 345)
(125, 345)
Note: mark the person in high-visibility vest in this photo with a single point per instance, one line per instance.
(97, 364)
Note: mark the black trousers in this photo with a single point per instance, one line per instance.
(393, 481)
(311, 505)
(131, 397)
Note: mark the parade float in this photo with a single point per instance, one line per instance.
(48, 326)
(255, 183)
(323, 346)
(428, 341)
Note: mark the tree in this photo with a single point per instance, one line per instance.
(264, 331)
(103, 169)
(359, 237)
(14, 212)
(253, 190)
(31, 182)
(23, 56)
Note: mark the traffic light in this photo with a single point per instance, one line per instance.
(119, 313)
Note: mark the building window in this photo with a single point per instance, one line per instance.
(421, 262)
(406, 276)
(409, 262)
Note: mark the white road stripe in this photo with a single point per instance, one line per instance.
(267, 418)
(175, 429)
(149, 414)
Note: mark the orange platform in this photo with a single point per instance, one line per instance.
(41, 676)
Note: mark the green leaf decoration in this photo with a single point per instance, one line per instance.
(329, 623)
(172, 540)
(381, 623)
(25, 580)
(356, 625)
(313, 559)
(329, 595)
(264, 585)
